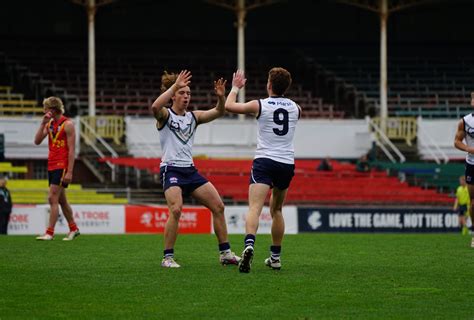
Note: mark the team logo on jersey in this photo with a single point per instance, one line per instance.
(470, 132)
(271, 102)
(182, 131)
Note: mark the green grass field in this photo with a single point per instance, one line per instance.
(323, 276)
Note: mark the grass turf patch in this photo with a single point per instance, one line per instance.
(365, 276)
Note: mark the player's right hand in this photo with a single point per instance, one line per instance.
(183, 79)
(238, 79)
(47, 116)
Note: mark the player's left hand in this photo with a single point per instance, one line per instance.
(67, 178)
(238, 79)
(219, 87)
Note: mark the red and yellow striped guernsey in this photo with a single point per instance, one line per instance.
(57, 141)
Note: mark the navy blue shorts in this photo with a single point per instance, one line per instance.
(187, 178)
(462, 209)
(56, 177)
(273, 173)
(469, 173)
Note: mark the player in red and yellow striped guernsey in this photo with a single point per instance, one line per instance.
(61, 141)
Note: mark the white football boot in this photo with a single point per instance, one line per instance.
(72, 235)
(45, 237)
(169, 263)
(275, 264)
(229, 258)
(246, 261)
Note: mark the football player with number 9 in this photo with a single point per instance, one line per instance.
(274, 163)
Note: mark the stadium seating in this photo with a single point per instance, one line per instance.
(343, 185)
(36, 192)
(128, 81)
(427, 85)
(14, 104)
(7, 167)
(444, 177)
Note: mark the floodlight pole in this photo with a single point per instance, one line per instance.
(240, 7)
(91, 7)
(241, 13)
(91, 10)
(383, 65)
(381, 7)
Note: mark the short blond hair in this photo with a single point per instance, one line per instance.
(53, 103)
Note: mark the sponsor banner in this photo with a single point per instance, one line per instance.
(152, 219)
(92, 219)
(235, 218)
(27, 220)
(377, 220)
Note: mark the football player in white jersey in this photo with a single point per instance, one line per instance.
(273, 166)
(177, 172)
(465, 131)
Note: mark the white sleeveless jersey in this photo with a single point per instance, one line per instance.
(469, 130)
(177, 138)
(276, 124)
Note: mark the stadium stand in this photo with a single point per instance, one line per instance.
(343, 185)
(36, 192)
(443, 177)
(128, 81)
(7, 167)
(14, 104)
(434, 85)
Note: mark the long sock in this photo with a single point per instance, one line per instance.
(249, 240)
(224, 247)
(275, 252)
(72, 227)
(168, 253)
(50, 231)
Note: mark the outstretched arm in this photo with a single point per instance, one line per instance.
(219, 110)
(158, 107)
(238, 82)
(458, 139)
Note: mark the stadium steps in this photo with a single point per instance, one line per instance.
(7, 167)
(36, 192)
(444, 177)
(343, 185)
(14, 104)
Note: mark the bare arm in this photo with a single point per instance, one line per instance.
(71, 143)
(458, 139)
(158, 107)
(219, 110)
(42, 130)
(238, 82)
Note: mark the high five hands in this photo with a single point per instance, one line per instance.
(238, 79)
(183, 79)
(219, 87)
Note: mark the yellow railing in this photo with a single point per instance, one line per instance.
(36, 191)
(107, 127)
(399, 128)
(9, 168)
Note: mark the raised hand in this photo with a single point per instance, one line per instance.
(219, 87)
(183, 79)
(47, 116)
(238, 79)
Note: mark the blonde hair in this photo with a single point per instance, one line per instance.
(167, 80)
(54, 103)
